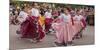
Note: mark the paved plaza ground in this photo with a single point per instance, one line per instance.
(15, 43)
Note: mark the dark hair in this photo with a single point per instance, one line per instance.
(23, 8)
(77, 10)
(62, 11)
(42, 12)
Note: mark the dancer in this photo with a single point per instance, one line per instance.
(21, 18)
(80, 23)
(38, 25)
(64, 30)
(41, 25)
(48, 21)
(30, 29)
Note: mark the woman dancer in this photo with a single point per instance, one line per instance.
(22, 17)
(64, 30)
(48, 21)
(36, 17)
(30, 29)
(80, 24)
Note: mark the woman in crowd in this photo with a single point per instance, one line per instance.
(37, 17)
(80, 23)
(30, 27)
(48, 20)
(42, 18)
(64, 30)
(22, 17)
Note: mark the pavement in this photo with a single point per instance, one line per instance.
(48, 41)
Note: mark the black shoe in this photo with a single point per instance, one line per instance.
(58, 44)
(70, 43)
(64, 44)
(48, 32)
